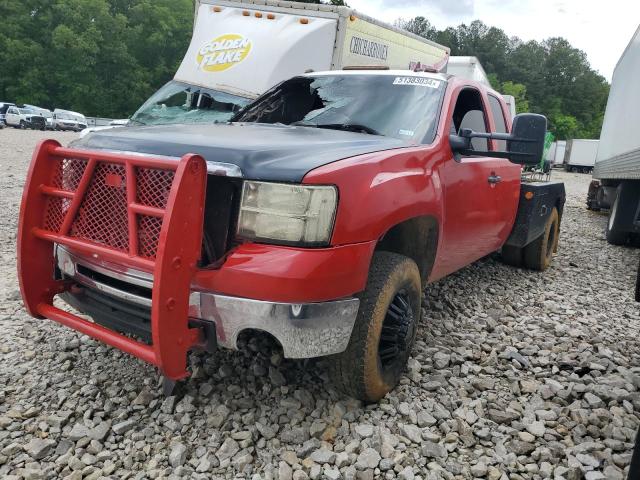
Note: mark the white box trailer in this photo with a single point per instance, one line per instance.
(617, 167)
(580, 155)
(558, 154)
(240, 49)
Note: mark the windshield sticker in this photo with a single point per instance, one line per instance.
(223, 52)
(407, 133)
(417, 81)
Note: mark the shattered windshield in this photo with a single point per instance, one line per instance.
(404, 107)
(178, 102)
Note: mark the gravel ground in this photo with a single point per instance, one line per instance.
(515, 375)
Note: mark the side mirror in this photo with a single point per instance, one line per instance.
(525, 143)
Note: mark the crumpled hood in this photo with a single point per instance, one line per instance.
(262, 151)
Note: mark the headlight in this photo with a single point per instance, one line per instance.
(287, 214)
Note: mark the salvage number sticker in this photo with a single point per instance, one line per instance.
(417, 81)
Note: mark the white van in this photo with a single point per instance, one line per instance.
(68, 120)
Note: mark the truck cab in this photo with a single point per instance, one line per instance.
(317, 215)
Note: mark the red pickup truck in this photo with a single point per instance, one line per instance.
(317, 215)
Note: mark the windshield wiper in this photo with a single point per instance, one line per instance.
(133, 120)
(350, 127)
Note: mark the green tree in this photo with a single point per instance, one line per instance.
(519, 92)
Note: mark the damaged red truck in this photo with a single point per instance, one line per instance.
(317, 215)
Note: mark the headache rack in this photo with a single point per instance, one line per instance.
(141, 212)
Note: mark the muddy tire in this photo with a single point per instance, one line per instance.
(384, 331)
(511, 255)
(539, 253)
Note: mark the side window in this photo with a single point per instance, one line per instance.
(498, 119)
(11, 110)
(469, 113)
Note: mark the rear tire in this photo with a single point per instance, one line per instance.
(512, 255)
(613, 233)
(384, 331)
(539, 253)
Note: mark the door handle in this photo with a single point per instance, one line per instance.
(493, 178)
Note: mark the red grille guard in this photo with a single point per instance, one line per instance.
(54, 210)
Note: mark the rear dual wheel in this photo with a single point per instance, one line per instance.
(384, 331)
(538, 254)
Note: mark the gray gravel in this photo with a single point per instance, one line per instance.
(515, 375)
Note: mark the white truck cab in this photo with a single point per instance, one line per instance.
(23, 117)
(68, 120)
(240, 49)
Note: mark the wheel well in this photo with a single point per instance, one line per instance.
(416, 238)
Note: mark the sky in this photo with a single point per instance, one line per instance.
(602, 29)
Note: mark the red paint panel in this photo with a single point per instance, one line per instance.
(290, 275)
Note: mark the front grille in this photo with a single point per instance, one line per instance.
(102, 217)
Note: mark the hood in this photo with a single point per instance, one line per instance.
(262, 151)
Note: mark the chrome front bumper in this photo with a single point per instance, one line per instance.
(304, 330)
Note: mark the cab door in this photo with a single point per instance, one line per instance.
(479, 207)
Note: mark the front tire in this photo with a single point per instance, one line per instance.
(384, 331)
(539, 253)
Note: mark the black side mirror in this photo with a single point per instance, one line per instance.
(525, 143)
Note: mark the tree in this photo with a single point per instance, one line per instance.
(519, 92)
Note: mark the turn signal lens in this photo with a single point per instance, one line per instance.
(304, 21)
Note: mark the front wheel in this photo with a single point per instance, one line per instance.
(384, 331)
(23, 126)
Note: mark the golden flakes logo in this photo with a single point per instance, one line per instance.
(223, 52)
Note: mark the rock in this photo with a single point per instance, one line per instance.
(178, 455)
(122, 427)
(441, 360)
(228, 449)
(365, 431)
(406, 474)
(594, 476)
(100, 431)
(503, 416)
(79, 431)
(368, 458)
(284, 471)
(593, 400)
(521, 448)
(434, 450)
(332, 474)
(412, 432)
(425, 419)
(536, 428)
(483, 383)
(38, 448)
(479, 470)
(322, 456)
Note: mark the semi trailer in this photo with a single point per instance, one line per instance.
(616, 184)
